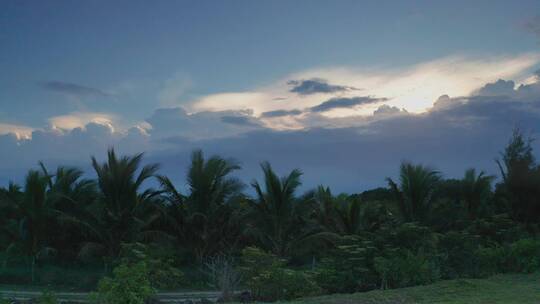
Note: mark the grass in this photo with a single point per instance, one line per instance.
(507, 289)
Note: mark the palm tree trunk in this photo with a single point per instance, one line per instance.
(33, 268)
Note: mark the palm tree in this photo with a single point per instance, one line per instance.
(204, 219)
(279, 219)
(475, 190)
(521, 178)
(345, 214)
(414, 194)
(326, 209)
(71, 194)
(36, 214)
(123, 212)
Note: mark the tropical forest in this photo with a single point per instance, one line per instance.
(126, 232)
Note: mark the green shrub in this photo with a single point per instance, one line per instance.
(161, 271)
(130, 284)
(524, 256)
(498, 229)
(489, 260)
(48, 297)
(402, 268)
(457, 251)
(347, 267)
(413, 237)
(268, 279)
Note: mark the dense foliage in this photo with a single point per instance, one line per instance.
(282, 244)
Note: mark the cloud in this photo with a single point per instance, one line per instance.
(80, 119)
(74, 89)
(64, 147)
(280, 113)
(242, 120)
(316, 85)
(342, 140)
(347, 153)
(345, 103)
(18, 131)
(388, 110)
(177, 122)
(451, 139)
(414, 88)
(498, 88)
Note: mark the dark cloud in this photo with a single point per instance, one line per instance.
(170, 122)
(463, 132)
(316, 85)
(533, 25)
(73, 89)
(345, 103)
(240, 120)
(498, 88)
(388, 110)
(280, 113)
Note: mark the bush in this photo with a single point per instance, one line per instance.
(268, 279)
(130, 284)
(48, 297)
(498, 229)
(457, 251)
(347, 267)
(161, 272)
(403, 268)
(489, 261)
(524, 256)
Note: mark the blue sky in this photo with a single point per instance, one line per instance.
(153, 73)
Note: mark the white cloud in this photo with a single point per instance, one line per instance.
(414, 88)
(80, 120)
(19, 130)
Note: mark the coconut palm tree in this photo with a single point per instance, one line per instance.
(347, 215)
(205, 219)
(36, 219)
(71, 194)
(325, 209)
(123, 211)
(279, 220)
(475, 190)
(415, 192)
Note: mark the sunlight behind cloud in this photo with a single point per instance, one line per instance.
(414, 88)
(21, 132)
(80, 120)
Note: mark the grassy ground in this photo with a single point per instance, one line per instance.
(503, 289)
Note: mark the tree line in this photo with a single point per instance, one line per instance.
(420, 227)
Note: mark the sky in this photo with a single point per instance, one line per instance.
(344, 90)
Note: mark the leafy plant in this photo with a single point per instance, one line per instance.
(48, 297)
(524, 255)
(161, 271)
(268, 279)
(402, 268)
(130, 284)
(347, 267)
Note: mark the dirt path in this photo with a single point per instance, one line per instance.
(83, 297)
